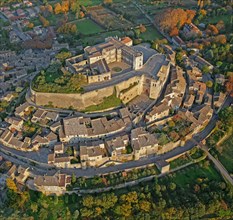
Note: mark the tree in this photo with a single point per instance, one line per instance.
(142, 28)
(81, 14)
(43, 214)
(44, 21)
(205, 69)
(65, 6)
(212, 29)
(34, 207)
(174, 18)
(57, 9)
(11, 185)
(220, 39)
(76, 214)
(107, 2)
(220, 25)
(172, 186)
(24, 197)
(49, 8)
(30, 25)
(229, 85)
(88, 201)
(137, 32)
(74, 7)
(123, 210)
(209, 84)
(73, 29)
(73, 178)
(174, 32)
(145, 205)
(62, 56)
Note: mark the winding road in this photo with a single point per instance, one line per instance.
(127, 165)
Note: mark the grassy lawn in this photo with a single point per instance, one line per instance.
(190, 174)
(179, 162)
(151, 34)
(87, 26)
(50, 77)
(92, 40)
(82, 2)
(90, 2)
(109, 102)
(226, 156)
(216, 19)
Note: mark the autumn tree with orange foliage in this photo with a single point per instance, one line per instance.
(49, 8)
(221, 39)
(229, 84)
(212, 29)
(30, 25)
(142, 28)
(65, 5)
(44, 21)
(174, 32)
(81, 14)
(171, 19)
(57, 9)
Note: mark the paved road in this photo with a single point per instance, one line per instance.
(144, 161)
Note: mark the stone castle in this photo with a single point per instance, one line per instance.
(96, 64)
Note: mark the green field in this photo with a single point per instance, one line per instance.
(92, 40)
(87, 26)
(226, 157)
(90, 2)
(82, 2)
(192, 173)
(215, 19)
(109, 102)
(179, 162)
(151, 34)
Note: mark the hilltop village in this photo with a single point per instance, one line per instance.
(140, 127)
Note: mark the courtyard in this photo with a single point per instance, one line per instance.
(118, 67)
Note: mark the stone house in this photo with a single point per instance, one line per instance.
(50, 185)
(143, 143)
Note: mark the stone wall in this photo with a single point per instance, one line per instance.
(168, 147)
(76, 100)
(130, 94)
(127, 83)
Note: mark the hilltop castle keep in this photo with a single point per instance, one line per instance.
(114, 67)
(96, 59)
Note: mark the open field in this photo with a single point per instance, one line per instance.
(90, 2)
(92, 40)
(192, 173)
(87, 26)
(226, 157)
(151, 34)
(152, 7)
(215, 19)
(82, 2)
